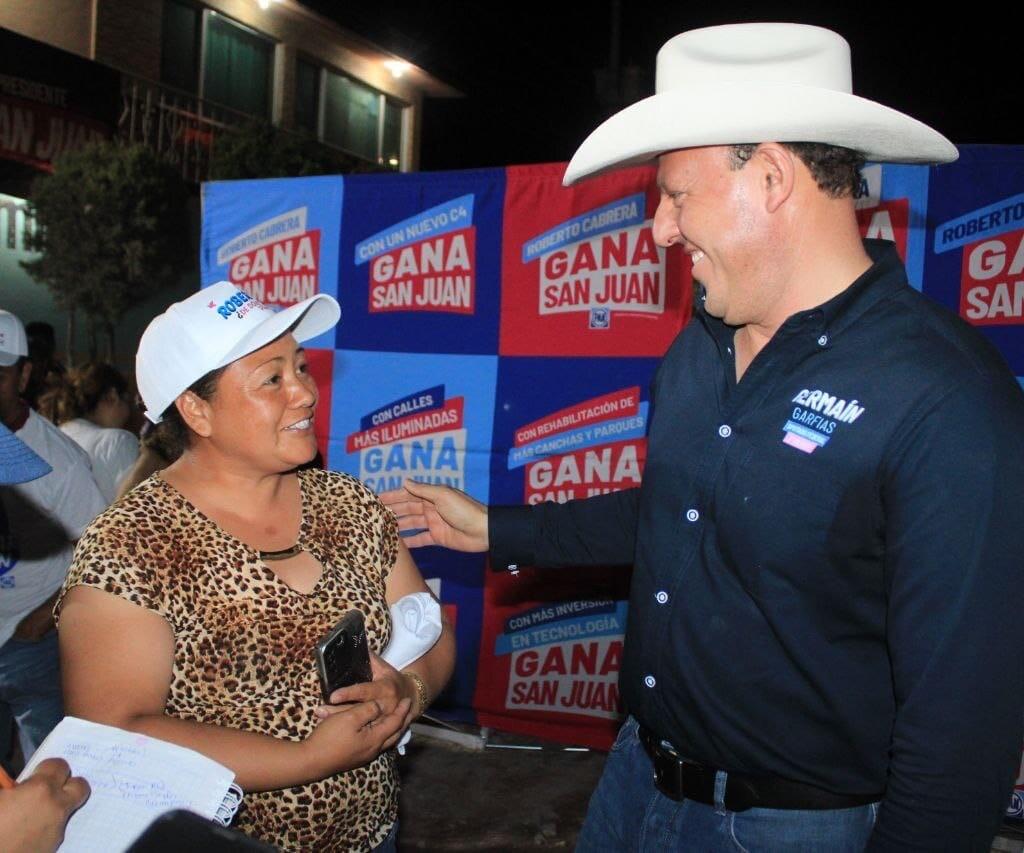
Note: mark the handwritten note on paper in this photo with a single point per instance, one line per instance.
(134, 779)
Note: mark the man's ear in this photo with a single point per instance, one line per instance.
(778, 166)
(196, 412)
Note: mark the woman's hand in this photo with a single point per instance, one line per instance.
(388, 689)
(353, 735)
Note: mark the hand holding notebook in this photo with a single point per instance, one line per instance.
(134, 778)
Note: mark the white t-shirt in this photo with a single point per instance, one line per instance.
(44, 518)
(112, 451)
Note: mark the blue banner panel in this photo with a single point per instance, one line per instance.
(565, 429)
(276, 239)
(427, 417)
(420, 262)
(975, 254)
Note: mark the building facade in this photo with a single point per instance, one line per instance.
(175, 74)
(189, 69)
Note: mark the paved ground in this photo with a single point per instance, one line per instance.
(511, 800)
(494, 799)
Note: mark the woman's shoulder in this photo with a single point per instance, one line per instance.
(145, 510)
(81, 431)
(336, 486)
(78, 426)
(129, 550)
(113, 437)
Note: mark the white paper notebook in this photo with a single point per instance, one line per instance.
(134, 779)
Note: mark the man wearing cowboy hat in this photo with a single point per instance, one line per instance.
(827, 541)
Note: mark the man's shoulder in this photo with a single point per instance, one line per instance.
(60, 450)
(941, 344)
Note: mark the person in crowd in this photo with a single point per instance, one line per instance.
(45, 517)
(33, 814)
(92, 405)
(827, 542)
(158, 448)
(228, 566)
(47, 370)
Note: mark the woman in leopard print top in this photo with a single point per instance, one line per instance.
(179, 620)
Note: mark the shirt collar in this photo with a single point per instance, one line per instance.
(884, 277)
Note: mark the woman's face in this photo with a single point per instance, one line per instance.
(262, 410)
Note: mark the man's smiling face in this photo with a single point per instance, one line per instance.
(711, 209)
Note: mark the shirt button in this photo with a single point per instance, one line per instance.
(692, 515)
(725, 430)
(649, 681)
(661, 597)
(823, 341)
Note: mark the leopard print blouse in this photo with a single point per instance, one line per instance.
(243, 639)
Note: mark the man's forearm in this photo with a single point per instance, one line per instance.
(597, 531)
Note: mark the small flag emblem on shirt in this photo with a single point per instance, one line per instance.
(803, 438)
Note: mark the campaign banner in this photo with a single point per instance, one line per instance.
(498, 335)
(421, 262)
(1015, 811)
(52, 101)
(37, 134)
(321, 367)
(552, 639)
(581, 272)
(276, 239)
(428, 417)
(892, 204)
(975, 258)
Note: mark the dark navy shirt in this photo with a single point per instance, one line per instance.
(827, 556)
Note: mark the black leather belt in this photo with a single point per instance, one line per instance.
(682, 779)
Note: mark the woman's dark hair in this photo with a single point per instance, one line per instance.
(176, 430)
(81, 391)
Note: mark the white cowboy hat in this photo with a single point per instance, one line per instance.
(743, 83)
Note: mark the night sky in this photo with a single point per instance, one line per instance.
(528, 68)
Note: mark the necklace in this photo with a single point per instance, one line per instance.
(283, 554)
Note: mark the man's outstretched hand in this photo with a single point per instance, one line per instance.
(443, 515)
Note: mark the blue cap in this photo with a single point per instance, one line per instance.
(18, 462)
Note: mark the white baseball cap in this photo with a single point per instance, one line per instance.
(13, 342)
(211, 329)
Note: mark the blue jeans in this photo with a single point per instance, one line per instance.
(30, 688)
(389, 844)
(628, 813)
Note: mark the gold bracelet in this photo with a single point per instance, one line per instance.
(421, 690)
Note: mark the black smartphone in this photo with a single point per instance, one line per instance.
(343, 655)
